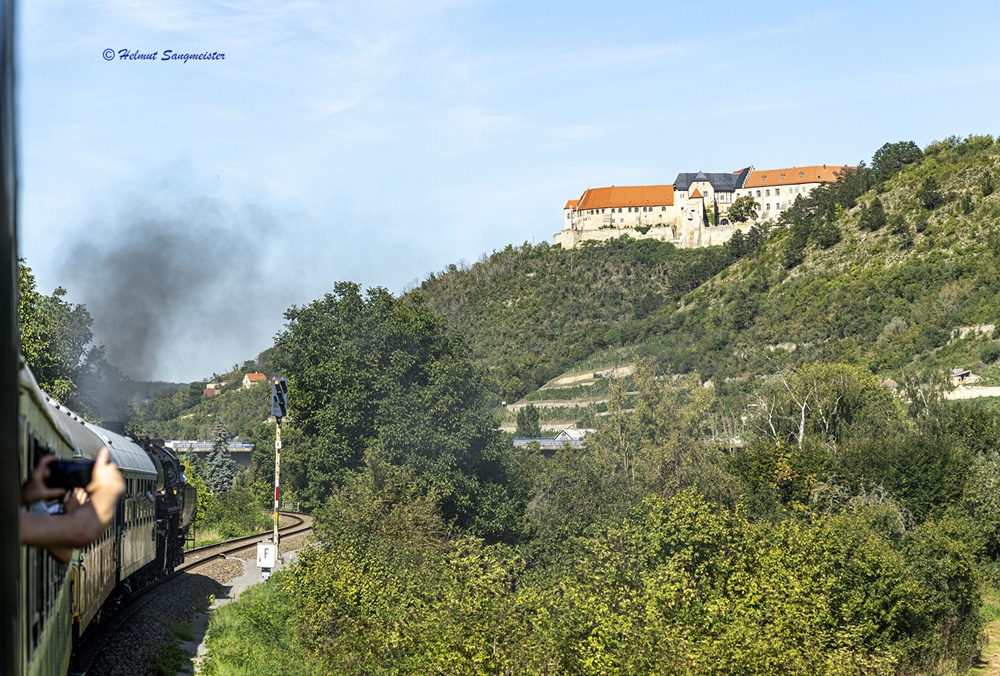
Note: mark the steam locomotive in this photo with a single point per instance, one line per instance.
(144, 542)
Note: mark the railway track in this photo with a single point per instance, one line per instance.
(94, 642)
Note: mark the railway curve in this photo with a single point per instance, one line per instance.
(94, 642)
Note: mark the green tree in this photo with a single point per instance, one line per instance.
(987, 184)
(892, 158)
(873, 217)
(743, 209)
(221, 469)
(195, 393)
(929, 193)
(527, 422)
(380, 373)
(826, 233)
(737, 245)
(194, 471)
(54, 335)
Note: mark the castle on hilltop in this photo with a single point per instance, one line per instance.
(692, 212)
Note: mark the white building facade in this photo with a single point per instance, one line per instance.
(692, 212)
(775, 190)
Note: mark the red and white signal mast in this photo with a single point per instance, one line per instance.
(279, 409)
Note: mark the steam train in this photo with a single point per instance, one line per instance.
(144, 541)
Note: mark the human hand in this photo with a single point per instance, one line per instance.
(106, 484)
(74, 499)
(35, 489)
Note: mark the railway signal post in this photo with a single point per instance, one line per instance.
(279, 409)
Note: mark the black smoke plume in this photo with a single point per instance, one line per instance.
(180, 284)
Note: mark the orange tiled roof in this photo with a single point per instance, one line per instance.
(255, 377)
(696, 194)
(794, 175)
(627, 196)
(571, 204)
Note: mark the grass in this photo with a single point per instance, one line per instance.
(171, 658)
(989, 664)
(991, 606)
(210, 535)
(254, 635)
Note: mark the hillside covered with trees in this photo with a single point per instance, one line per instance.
(796, 514)
(878, 269)
(531, 312)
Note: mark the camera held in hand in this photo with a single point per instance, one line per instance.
(69, 474)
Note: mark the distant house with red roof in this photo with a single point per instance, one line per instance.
(692, 212)
(251, 379)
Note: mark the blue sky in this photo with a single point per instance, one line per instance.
(378, 142)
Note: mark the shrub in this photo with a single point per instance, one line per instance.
(990, 353)
(929, 194)
(874, 216)
(986, 184)
(235, 514)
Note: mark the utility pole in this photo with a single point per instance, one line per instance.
(279, 409)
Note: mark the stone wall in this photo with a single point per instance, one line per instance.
(692, 232)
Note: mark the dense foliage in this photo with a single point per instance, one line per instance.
(800, 515)
(55, 335)
(223, 515)
(823, 546)
(373, 374)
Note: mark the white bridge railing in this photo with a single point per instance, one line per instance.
(186, 445)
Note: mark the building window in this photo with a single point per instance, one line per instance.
(777, 191)
(758, 193)
(767, 193)
(663, 208)
(767, 207)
